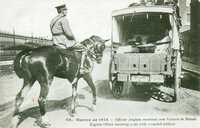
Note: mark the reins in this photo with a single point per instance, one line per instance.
(93, 55)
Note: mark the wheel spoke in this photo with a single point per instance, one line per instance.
(117, 88)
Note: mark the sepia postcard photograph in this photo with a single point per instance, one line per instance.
(100, 64)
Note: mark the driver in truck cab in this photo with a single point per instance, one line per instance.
(163, 44)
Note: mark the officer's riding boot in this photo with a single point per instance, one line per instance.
(82, 69)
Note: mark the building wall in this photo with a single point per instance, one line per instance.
(195, 30)
(185, 11)
(189, 11)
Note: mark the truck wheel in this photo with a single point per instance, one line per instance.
(117, 88)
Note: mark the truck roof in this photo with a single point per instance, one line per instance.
(143, 8)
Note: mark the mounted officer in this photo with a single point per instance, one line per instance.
(62, 34)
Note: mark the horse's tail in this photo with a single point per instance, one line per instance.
(18, 68)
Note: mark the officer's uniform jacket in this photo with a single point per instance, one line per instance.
(61, 32)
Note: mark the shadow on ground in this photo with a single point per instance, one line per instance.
(141, 93)
(52, 105)
(191, 81)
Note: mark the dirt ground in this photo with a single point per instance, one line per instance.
(133, 107)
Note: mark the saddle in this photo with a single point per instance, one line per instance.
(69, 51)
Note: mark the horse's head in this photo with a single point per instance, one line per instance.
(95, 46)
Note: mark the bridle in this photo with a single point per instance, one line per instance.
(92, 49)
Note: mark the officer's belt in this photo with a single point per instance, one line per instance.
(57, 34)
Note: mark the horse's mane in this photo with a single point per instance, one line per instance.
(85, 42)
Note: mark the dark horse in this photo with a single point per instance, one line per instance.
(43, 63)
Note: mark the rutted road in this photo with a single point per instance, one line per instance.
(131, 105)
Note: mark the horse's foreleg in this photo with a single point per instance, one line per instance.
(87, 77)
(74, 94)
(23, 92)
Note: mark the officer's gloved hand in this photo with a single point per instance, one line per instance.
(82, 71)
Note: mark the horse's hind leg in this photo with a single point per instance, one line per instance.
(44, 90)
(23, 92)
(87, 77)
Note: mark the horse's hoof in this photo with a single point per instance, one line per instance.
(15, 121)
(93, 108)
(42, 122)
(16, 112)
(73, 111)
(72, 114)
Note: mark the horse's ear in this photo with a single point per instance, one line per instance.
(97, 38)
(93, 37)
(106, 40)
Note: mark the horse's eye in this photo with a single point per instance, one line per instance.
(103, 47)
(99, 47)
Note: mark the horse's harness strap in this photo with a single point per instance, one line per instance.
(88, 49)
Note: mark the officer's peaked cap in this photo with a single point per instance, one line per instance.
(60, 7)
